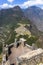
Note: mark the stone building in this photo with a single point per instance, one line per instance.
(24, 54)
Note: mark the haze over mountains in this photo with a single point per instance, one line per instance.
(35, 14)
(12, 15)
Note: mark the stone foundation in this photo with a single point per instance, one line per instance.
(32, 61)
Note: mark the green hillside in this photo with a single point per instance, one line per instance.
(10, 27)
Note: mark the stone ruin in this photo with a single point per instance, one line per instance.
(23, 54)
(31, 58)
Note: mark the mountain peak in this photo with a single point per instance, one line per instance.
(35, 14)
(34, 7)
(11, 15)
(16, 8)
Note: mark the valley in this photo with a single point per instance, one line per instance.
(16, 23)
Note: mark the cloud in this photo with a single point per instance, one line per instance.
(26, 4)
(31, 3)
(10, 1)
(5, 5)
(41, 6)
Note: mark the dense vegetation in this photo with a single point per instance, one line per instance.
(30, 40)
(0, 49)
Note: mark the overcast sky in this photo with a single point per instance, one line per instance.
(21, 3)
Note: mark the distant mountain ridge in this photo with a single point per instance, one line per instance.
(15, 14)
(35, 14)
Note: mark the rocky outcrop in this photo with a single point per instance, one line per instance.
(32, 59)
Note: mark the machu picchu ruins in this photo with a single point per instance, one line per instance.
(20, 53)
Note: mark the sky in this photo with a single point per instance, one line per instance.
(22, 3)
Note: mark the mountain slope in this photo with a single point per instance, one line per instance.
(11, 15)
(35, 14)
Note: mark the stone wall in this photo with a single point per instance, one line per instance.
(7, 62)
(32, 61)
